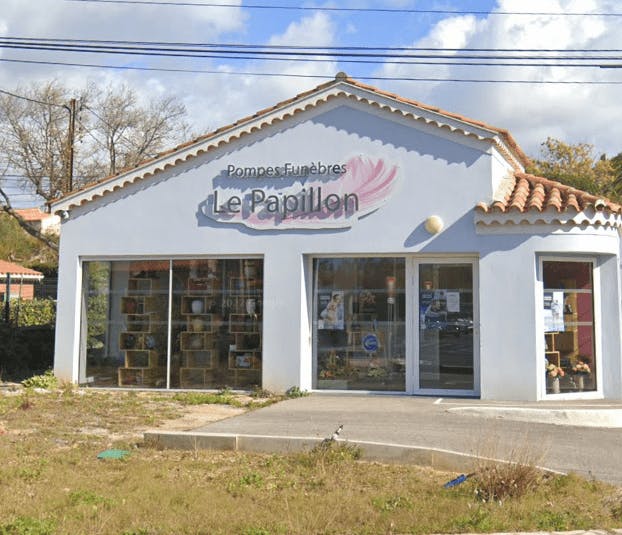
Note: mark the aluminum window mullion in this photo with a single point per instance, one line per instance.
(169, 321)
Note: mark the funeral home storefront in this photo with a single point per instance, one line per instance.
(347, 239)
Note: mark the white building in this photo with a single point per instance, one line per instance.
(42, 221)
(345, 239)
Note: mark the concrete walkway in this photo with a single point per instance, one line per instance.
(582, 437)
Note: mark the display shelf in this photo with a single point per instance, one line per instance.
(141, 358)
(199, 323)
(139, 376)
(201, 285)
(247, 359)
(136, 286)
(551, 353)
(196, 304)
(197, 340)
(243, 323)
(195, 377)
(201, 358)
(137, 341)
(190, 340)
(132, 340)
(138, 322)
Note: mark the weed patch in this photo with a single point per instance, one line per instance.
(27, 526)
(500, 481)
(223, 397)
(47, 381)
(295, 392)
(392, 503)
(52, 482)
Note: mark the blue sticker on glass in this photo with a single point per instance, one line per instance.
(370, 342)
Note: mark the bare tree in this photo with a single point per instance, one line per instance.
(114, 129)
(130, 132)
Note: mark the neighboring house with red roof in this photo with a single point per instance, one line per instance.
(44, 222)
(17, 281)
(346, 239)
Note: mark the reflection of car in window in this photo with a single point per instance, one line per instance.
(450, 324)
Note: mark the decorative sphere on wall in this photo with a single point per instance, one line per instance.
(434, 224)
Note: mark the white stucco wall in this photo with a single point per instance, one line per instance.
(441, 173)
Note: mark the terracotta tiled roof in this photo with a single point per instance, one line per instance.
(249, 125)
(507, 137)
(17, 270)
(32, 214)
(522, 193)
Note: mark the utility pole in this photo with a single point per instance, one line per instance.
(70, 143)
(7, 299)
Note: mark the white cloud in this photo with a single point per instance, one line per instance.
(246, 95)
(574, 113)
(531, 112)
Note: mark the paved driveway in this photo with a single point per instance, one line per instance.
(466, 426)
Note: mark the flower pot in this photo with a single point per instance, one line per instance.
(552, 385)
(580, 381)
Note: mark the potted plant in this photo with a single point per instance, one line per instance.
(553, 373)
(580, 371)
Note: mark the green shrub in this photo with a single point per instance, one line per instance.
(295, 392)
(25, 351)
(29, 312)
(46, 380)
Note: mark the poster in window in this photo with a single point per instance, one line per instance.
(433, 309)
(331, 315)
(453, 301)
(553, 311)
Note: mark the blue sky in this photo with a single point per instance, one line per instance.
(572, 112)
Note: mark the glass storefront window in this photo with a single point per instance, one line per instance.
(446, 326)
(569, 327)
(215, 323)
(358, 326)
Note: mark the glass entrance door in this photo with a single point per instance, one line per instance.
(446, 312)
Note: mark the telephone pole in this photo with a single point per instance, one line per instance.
(70, 144)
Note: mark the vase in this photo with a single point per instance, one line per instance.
(196, 306)
(580, 380)
(552, 385)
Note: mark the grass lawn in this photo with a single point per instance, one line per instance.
(51, 481)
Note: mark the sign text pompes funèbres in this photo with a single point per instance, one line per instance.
(318, 195)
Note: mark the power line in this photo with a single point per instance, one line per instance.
(22, 97)
(309, 76)
(345, 58)
(353, 9)
(319, 55)
(299, 47)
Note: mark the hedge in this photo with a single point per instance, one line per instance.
(25, 351)
(29, 312)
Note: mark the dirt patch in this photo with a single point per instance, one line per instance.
(199, 415)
